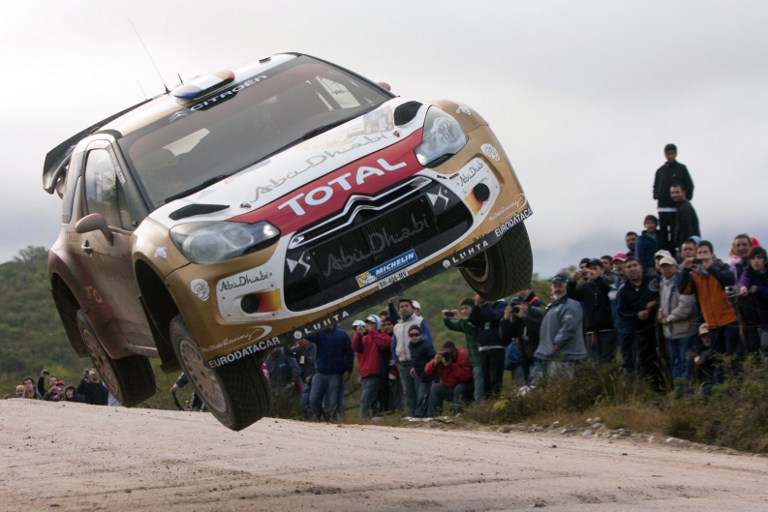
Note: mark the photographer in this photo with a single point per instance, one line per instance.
(521, 325)
(593, 293)
(451, 366)
(709, 278)
(459, 321)
(92, 389)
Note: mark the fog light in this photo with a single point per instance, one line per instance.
(250, 304)
(482, 192)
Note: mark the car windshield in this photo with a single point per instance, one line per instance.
(243, 124)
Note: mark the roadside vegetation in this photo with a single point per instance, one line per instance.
(733, 414)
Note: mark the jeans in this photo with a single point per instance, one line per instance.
(324, 397)
(679, 360)
(305, 403)
(492, 361)
(409, 387)
(461, 393)
(477, 382)
(371, 388)
(423, 403)
(603, 346)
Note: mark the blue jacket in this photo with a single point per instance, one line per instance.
(486, 318)
(645, 251)
(334, 351)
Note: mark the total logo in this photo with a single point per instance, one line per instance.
(324, 193)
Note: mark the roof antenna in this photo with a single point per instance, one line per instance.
(150, 56)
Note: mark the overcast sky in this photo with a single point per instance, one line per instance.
(582, 95)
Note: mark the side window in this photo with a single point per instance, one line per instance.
(103, 193)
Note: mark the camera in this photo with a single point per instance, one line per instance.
(515, 309)
(447, 356)
(730, 291)
(697, 261)
(450, 314)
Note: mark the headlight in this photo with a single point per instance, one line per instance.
(443, 138)
(210, 242)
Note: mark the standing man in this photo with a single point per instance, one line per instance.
(638, 300)
(458, 321)
(368, 345)
(521, 325)
(686, 221)
(332, 367)
(592, 290)
(485, 316)
(671, 173)
(304, 352)
(401, 352)
(561, 341)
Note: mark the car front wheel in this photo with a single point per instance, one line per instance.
(237, 393)
(503, 269)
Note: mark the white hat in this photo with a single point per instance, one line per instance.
(415, 304)
(358, 323)
(375, 320)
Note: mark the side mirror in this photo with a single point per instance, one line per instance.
(94, 222)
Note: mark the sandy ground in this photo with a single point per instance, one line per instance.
(77, 457)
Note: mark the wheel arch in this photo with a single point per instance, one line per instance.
(160, 308)
(67, 306)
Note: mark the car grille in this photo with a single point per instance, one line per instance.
(412, 221)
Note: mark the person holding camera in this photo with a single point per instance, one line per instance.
(94, 391)
(520, 327)
(753, 293)
(368, 345)
(713, 283)
(458, 320)
(592, 289)
(451, 366)
(486, 316)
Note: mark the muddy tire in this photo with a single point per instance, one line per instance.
(129, 379)
(237, 394)
(503, 269)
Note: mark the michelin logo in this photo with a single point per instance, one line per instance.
(376, 273)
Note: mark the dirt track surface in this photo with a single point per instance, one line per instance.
(58, 456)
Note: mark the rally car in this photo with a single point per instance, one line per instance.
(246, 209)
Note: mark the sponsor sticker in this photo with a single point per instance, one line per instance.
(201, 289)
(490, 151)
(377, 273)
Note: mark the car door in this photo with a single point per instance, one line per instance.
(114, 293)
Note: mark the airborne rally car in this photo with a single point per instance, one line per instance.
(246, 209)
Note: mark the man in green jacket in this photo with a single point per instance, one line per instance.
(457, 320)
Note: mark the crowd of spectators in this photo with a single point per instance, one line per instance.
(90, 390)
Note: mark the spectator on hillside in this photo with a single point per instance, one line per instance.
(92, 389)
(71, 394)
(593, 292)
(45, 381)
(20, 391)
(334, 364)
(561, 342)
(451, 366)
(738, 259)
(56, 392)
(422, 351)
(368, 346)
(401, 352)
(687, 250)
(686, 222)
(485, 316)
(391, 398)
(30, 391)
(671, 173)
(304, 353)
(679, 317)
(648, 244)
(284, 378)
(530, 298)
(630, 240)
(753, 292)
(708, 280)
(638, 301)
(521, 326)
(458, 320)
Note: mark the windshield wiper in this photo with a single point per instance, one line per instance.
(320, 129)
(207, 183)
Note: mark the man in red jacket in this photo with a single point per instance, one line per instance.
(451, 365)
(368, 344)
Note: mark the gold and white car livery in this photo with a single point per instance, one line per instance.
(247, 209)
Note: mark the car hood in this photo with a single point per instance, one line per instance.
(262, 184)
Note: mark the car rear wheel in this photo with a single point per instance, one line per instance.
(237, 393)
(503, 269)
(129, 379)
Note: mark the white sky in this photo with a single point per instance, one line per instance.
(583, 95)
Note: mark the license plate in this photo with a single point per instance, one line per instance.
(397, 276)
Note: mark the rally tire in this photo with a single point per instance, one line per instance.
(237, 394)
(503, 269)
(129, 379)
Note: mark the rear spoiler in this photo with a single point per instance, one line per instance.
(57, 159)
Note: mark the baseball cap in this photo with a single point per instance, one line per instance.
(594, 262)
(667, 260)
(662, 253)
(703, 329)
(517, 300)
(358, 323)
(415, 304)
(373, 319)
(620, 256)
(559, 278)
